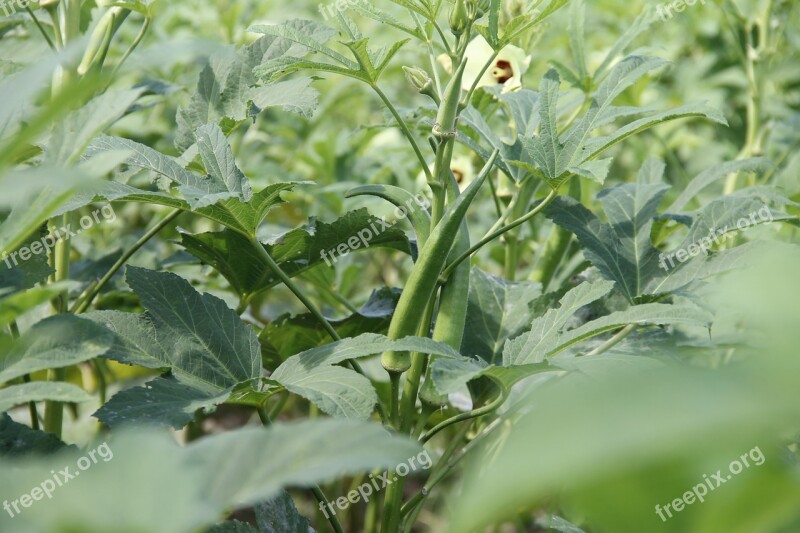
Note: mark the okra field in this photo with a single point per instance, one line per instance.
(399, 266)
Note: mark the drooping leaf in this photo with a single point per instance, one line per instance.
(18, 440)
(55, 342)
(535, 344)
(451, 375)
(205, 345)
(295, 252)
(37, 391)
(162, 401)
(652, 313)
(498, 310)
(361, 346)
(278, 515)
(193, 488)
(337, 391)
(288, 335)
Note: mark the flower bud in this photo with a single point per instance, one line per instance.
(482, 6)
(459, 18)
(418, 78)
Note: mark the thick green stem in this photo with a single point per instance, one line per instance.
(53, 410)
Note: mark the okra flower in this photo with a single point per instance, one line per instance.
(508, 68)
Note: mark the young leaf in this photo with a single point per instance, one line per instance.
(217, 156)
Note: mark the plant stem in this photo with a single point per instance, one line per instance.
(475, 413)
(85, 300)
(292, 286)
(394, 400)
(405, 129)
(133, 46)
(613, 341)
(318, 494)
(443, 467)
(53, 410)
(492, 236)
(40, 27)
(32, 407)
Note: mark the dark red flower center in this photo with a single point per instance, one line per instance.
(503, 71)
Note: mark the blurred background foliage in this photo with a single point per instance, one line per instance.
(741, 56)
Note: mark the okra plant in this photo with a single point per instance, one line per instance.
(484, 304)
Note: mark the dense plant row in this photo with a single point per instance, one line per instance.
(574, 292)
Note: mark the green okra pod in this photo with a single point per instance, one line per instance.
(453, 302)
(424, 277)
(447, 118)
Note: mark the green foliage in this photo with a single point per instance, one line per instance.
(568, 301)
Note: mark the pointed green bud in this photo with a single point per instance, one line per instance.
(418, 78)
(459, 18)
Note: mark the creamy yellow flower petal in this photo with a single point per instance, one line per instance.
(508, 68)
